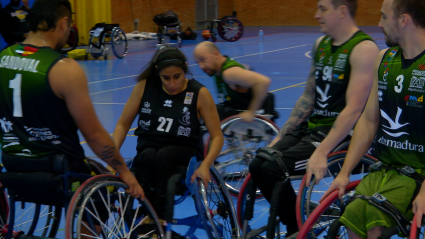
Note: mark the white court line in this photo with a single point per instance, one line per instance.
(286, 48)
(122, 77)
(112, 90)
(308, 54)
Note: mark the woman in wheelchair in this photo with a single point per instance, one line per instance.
(170, 108)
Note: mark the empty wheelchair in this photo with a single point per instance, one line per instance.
(168, 25)
(241, 141)
(104, 36)
(229, 28)
(44, 186)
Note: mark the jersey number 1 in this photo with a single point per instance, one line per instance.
(15, 84)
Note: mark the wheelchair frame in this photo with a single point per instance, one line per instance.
(97, 46)
(163, 31)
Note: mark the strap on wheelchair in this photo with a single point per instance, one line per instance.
(384, 205)
(406, 171)
(273, 155)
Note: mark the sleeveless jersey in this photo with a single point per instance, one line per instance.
(332, 68)
(401, 130)
(169, 119)
(226, 95)
(34, 121)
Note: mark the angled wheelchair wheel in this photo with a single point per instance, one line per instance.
(241, 141)
(216, 208)
(101, 208)
(256, 226)
(29, 219)
(96, 46)
(119, 43)
(319, 224)
(230, 28)
(308, 197)
(72, 42)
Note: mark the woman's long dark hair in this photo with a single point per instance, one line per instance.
(165, 57)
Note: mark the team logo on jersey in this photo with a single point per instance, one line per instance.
(19, 14)
(391, 55)
(421, 66)
(186, 117)
(188, 98)
(168, 103)
(323, 96)
(331, 60)
(6, 126)
(146, 108)
(183, 131)
(345, 51)
(144, 124)
(385, 74)
(414, 101)
(339, 77)
(417, 84)
(395, 125)
(380, 94)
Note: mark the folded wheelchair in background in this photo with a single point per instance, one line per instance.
(103, 36)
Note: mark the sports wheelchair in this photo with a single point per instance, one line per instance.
(215, 213)
(323, 221)
(101, 36)
(45, 187)
(229, 28)
(168, 25)
(252, 221)
(241, 140)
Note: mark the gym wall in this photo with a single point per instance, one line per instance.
(251, 13)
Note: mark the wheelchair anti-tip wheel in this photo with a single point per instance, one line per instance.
(230, 28)
(101, 208)
(215, 205)
(241, 140)
(308, 197)
(119, 42)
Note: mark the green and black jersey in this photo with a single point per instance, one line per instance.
(226, 95)
(34, 121)
(332, 69)
(401, 130)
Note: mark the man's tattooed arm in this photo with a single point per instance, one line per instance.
(109, 156)
(304, 106)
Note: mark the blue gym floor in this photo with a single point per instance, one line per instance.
(283, 55)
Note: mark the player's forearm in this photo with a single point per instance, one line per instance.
(301, 112)
(120, 134)
(363, 135)
(259, 95)
(103, 146)
(340, 129)
(214, 149)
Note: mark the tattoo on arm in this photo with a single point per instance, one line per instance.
(303, 108)
(108, 156)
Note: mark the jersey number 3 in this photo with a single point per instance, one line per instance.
(15, 84)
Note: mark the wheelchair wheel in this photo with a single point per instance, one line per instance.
(215, 206)
(415, 232)
(320, 220)
(72, 42)
(96, 46)
(119, 43)
(256, 226)
(30, 219)
(101, 208)
(241, 140)
(230, 28)
(308, 197)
